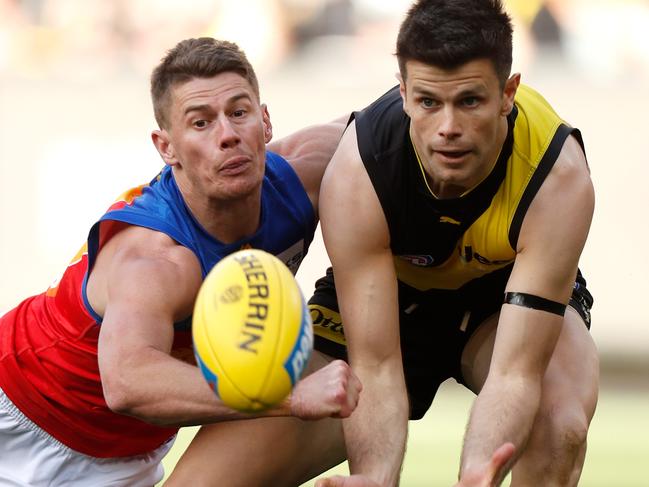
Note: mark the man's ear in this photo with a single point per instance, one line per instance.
(402, 90)
(509, 93)
(268, 127)
(164, 146)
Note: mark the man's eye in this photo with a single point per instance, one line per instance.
(238, 113)
(470, 101)
(200, 124)
(428, 102)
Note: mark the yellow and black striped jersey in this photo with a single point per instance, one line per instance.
(447, 243)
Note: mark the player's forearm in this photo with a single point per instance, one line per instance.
(161, 390)
(504, 411)
(168, 392)
(376, 432)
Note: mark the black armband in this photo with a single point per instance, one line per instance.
(535, 302)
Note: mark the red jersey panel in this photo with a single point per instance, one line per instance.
(48, 344)
(49, 369)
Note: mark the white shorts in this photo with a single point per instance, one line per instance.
(31, 457)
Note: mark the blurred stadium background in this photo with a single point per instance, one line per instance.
(75, 119)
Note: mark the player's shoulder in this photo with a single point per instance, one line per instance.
(383, 125)
(138, 262)
(388, 104)
(157, 251)
(570, 174)
(568, 188)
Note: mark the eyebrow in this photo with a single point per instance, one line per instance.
(472, 91)
(204, 107)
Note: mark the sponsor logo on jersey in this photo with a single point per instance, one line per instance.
(293, 256)
(418, 260)
(326, 318)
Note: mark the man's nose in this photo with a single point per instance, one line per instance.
(228, 135)
(449, 124)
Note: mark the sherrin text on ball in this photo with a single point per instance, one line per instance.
(252, 331)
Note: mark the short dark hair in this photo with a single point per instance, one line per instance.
(203, 57)
(450, 33)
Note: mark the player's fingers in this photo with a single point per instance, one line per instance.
(347, 396)
(353, 394)
(335, 481)
(501, 456)
(355, 381)
(356, 384)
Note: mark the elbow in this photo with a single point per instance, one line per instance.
(125, 400)
(117, 395)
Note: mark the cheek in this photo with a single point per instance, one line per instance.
(259, 147)
(424, 128)
(485, 130)
(189, 146)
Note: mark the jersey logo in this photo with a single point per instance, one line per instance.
(419, 260)
(293, 256)
(448, 219)
(324, 317)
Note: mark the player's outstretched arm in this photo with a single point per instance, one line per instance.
(142, 283)
(552, 237)
(357, 239)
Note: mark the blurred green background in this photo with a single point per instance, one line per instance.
(75, 123)
(617, 451)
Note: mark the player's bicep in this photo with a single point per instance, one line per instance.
(357, 239)
(146, 293)
(555, 229)
(552, 237)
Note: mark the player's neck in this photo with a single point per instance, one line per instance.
(228, 220)
(445, 190)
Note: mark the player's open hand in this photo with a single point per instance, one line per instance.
(332, 391)
(487, 475)
(351, 481)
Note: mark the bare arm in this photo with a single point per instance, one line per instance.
(357, 239)
(309, 151)
(551, 240)
(150, 283)
(144, 282)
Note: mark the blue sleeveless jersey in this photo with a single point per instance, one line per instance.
(286, 228)
(48, 347)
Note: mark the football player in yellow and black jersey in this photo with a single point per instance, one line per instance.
(454, 212)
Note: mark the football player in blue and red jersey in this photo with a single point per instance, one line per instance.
(97, 373)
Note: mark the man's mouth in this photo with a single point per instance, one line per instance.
(234, 164)
(453, 154)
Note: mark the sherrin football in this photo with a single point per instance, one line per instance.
(251, 330)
